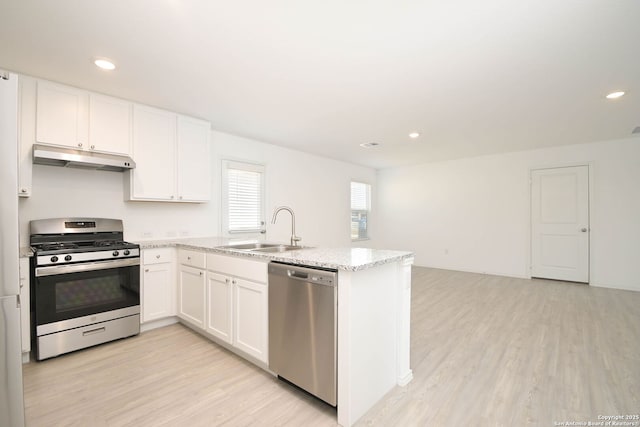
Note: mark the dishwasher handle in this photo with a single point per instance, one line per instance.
(296, 274)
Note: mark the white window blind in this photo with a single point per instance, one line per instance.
(360, 196)
(244, 191)
(360, 208)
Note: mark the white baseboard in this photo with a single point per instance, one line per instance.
(158, 323)
(621, 288)
(405, 379)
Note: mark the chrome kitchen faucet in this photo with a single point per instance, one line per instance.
(294, 239)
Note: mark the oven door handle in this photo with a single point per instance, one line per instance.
(89, 266)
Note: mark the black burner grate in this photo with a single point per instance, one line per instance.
(58, 245)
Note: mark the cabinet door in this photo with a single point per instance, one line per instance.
(219, 306)
(109, 124)
(251, 318)
(194, 163)
(25, 298)
(191, 295)
(26, 133)
(61, 115)
(158, 292)
(154, 143)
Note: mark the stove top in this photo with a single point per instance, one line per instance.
(71, 247)
(70, 240)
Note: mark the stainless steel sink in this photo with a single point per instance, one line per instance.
(262, 247)
(250, 246)
(278, 248)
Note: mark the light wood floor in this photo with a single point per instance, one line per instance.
(486, 351)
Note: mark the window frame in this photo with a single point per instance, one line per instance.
(242, 165)
(360, 212)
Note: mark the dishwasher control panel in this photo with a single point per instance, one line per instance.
(322, 280)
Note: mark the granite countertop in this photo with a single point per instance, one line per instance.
(348, 259)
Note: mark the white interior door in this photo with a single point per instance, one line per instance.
(560, 223)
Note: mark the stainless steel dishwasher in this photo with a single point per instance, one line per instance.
(302, 328)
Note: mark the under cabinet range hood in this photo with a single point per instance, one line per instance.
(68, 157)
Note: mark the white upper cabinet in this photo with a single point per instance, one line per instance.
(83, 120)
(62, 115)
(109, 124)
(154, 151)
(193, 159)
(172, 157)
(171, 151)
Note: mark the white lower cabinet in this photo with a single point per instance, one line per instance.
(251, 318)
(192, 287)
(191, 295)
(219, 306)
(237, 307)
(158, 284)
(226, 297)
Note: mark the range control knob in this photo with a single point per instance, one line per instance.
(127, 252)
(115, 253)
(54, 259)
(67, 258)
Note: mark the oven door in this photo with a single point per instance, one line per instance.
(70, 291)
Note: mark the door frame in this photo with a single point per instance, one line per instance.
(590, 173)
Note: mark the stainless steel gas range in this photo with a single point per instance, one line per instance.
(85, 284)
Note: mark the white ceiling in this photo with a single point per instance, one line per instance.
(473, 77)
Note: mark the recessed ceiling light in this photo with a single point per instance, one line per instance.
(414, 135)
(615, 95)
(105, 64)
(369, 144)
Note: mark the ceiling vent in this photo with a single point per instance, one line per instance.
(370, 145)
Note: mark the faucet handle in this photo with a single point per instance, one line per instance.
(295, 240)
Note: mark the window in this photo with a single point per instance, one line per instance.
(242, 197)
(360, 209)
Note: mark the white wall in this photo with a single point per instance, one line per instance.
(473, 214)
(316, 188)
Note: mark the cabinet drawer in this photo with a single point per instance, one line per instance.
(157, 256)
(192, 258)
(238, 267)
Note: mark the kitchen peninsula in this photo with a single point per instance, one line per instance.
(220, 287)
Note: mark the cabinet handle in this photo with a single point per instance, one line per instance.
(180, 197)
(189, 258)
(79, 144)
(233, 282)
(146, 270)
(226, 280)
(93, 146)
(172, 197)
(201, 273)
(23, 190)
(158, 256)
